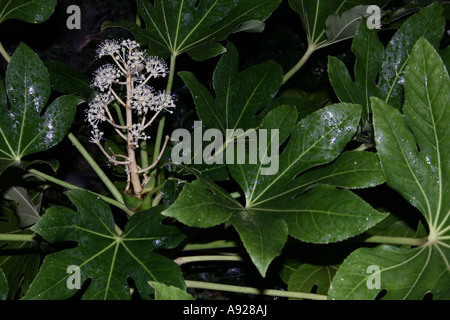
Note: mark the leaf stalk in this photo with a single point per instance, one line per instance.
(251, 290)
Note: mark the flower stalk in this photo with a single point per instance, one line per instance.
(140, 103)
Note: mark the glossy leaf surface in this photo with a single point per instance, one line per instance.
(103, 256)
(379, 72)
(23, 128)
(414, 152)
(194, 27)
(32, 11)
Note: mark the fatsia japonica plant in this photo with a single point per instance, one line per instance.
(303, 145)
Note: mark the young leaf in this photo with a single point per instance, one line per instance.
(343, 26)
(26, 210)
(314, 15)
(32, 11)
(103, 256)
(414, 152)
(23, 130)
(176, 27)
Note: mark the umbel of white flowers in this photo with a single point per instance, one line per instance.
(131, 68)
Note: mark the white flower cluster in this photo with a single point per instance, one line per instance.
(137, 133)
(144, 99)
(97, 109)
(105, 76)
(134, 68)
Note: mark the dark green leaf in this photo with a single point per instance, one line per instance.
(283, 119)
(317, 139)
(420, 176)
(68, 80)
(188, 26)
(326, 214)
(308, 277)
(239, 95)
(261, 224)
(445, 54)
(352, 170)
(369, 52)
(263, 234)
(429, 23)
(414, 152)
(373, 60)
(198, 205)
(102, 255)
(32, 11)
(23, 130)
(404, 272)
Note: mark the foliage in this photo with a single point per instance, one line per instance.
(335, 192)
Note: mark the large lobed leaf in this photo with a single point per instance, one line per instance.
(239, 96)
(379, 71)
(103, 256)
(270, 214)
(23, 128)
(240, 102)
(414, 152)
(194, 27)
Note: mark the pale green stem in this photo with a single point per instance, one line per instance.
(5, 54)
(119, 114)
(17, 237)
(101, 174)
(157, 199)
(144, 154)
(173, 59)
(250, 290)
(74, 187)
(162, 120)
(138, 19)
(219, 244)
(190, 259)
(309, 51)
(362, 147)
(397, 240)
